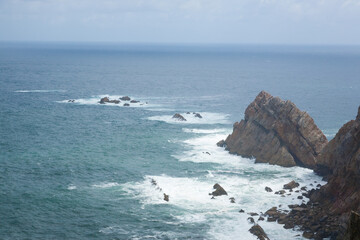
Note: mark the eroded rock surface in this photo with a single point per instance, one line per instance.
(276, 132)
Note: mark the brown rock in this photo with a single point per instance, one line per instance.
(291, 185)
(125, 98)
(104, 100)
(258, 232)
(276, 132)
(353, 229)
(218, 190)
(166, 197)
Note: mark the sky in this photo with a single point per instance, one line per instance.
(324, 22)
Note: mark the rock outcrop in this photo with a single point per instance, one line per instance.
(218, 190)
(258, 232)
(179, 117)
(276, 132)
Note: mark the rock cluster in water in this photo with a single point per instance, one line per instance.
(180, 117)
(276, 132)
(126, 99)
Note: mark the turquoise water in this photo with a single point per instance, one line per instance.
(83, 170)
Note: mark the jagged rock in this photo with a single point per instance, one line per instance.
(218, 190)
(291, 185)
(134, 101)
(251, 220)
(261, 218)
(104, 100)
(241, 211)
(268, 189)
(166, 197)
(179, 117)
(198, 115)
(276, 132)
(125, 98)
(259, 232)
(221, 143)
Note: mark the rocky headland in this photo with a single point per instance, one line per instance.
(277, 132)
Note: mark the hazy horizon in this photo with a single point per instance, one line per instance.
(259, 22)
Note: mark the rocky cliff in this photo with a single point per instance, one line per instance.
(276, 132)
(339, 162)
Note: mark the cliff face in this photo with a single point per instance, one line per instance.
(276, 132)
(339, 162)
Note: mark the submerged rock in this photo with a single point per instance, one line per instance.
(276, 132)
(259, 232)
(126, 105)
(134, 101)
(179, 117)
(218, 190)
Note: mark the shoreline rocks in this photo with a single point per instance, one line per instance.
(276, 132)
(218, 190)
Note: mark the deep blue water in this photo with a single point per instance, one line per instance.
(82, 170)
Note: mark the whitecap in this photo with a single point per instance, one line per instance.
(106, 185)
(204, 131)
(207, 118)
(71, 187)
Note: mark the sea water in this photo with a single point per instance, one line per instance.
(84, 170)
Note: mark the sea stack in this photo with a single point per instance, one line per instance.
(276, 132)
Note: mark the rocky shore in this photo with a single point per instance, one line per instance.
(277, 132)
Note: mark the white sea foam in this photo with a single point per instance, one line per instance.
(39, 91)
(207, 118)
(95, 100)
(205, 131)
(71, 187)
(240, 177)
(106, 185)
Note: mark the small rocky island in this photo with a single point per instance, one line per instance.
(277, 132)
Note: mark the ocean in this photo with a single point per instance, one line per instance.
(85, 170)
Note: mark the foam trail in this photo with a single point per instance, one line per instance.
(241, 178)
(207, 118)
(106, 185)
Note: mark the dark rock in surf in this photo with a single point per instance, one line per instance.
(291, 185)
(268, 189)
(134, 101)
(219, 191)
(125, 98)
(179, 117)
(166, 197)
(104, 100)
(259, 232)
(126, 105)
(198, 115)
